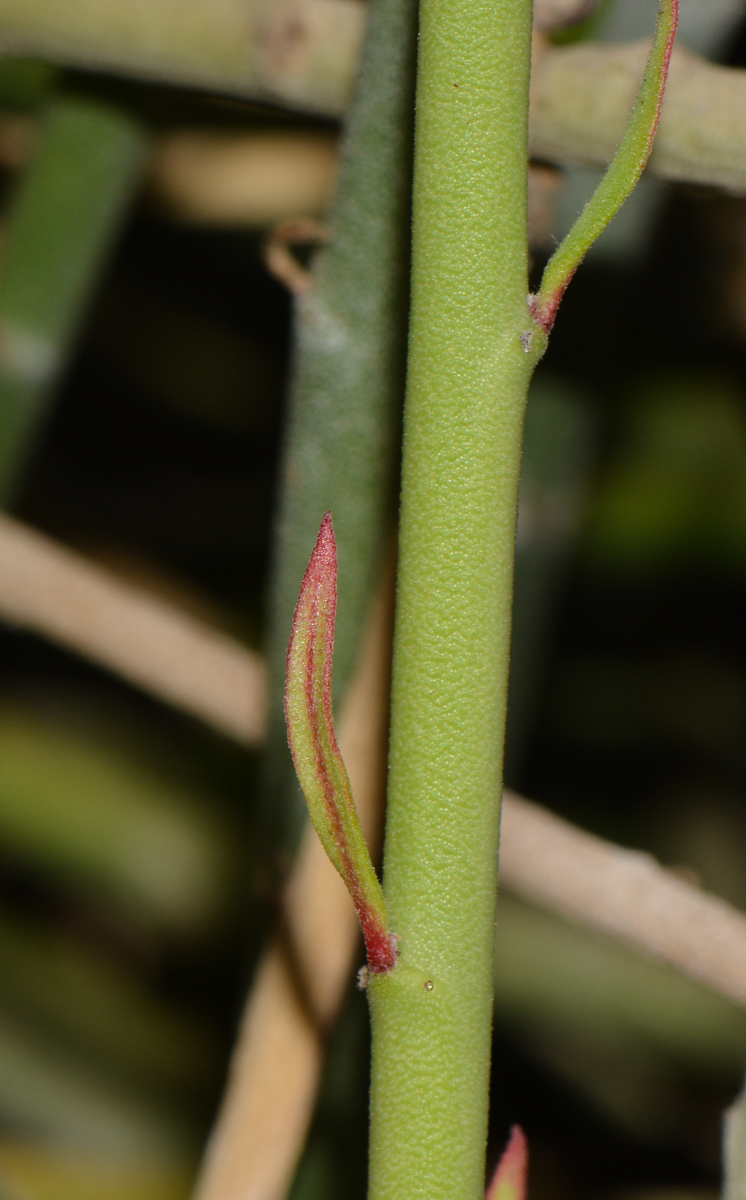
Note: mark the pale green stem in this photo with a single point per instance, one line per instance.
(468, 377)
(472, 349)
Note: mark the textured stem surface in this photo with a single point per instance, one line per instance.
(467, 384)
(303, 53)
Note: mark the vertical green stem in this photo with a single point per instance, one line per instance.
(468, 377)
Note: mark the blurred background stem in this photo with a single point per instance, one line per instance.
(468, 374)
(67, 211)
(342, 425)
(304, 53)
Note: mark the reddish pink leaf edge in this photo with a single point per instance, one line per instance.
(320, 578)
(512, 1169)
(544, 311)
(670, 40)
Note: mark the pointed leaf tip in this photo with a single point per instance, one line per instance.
(313, 745)
(511, 1173)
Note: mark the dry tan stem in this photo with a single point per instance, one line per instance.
(243, 179)
(301, 980)
(582, 95)
(302, 53)
(581, 98)
(51, 590)
(54, 592)
(624, 893)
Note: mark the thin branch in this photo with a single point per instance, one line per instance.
(50, 590)
(300, 53)
(623, 893)
(54, 592)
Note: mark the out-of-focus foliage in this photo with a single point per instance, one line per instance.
(98, 821)
(675, 490)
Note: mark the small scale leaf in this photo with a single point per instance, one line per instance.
(510, 1177)
(313, 745)
(623, 173)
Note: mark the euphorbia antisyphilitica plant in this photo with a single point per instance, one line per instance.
(475, 338)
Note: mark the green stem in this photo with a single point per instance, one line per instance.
(62, 224)
(468, 378)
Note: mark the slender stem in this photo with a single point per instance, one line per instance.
(64, 219)
(468, 377)
(623, 173)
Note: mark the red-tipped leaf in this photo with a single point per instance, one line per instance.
(511, 1173)
(313, 745)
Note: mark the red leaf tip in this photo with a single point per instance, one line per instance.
(510, 1177)
(313, 745)
(326, 539)
(323, 560)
